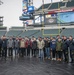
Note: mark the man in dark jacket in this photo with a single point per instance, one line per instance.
(29, 48)
(71, 47)
(10, 46)
(53, 48)
(47, 48)
(4, 46)
(34, 47)
(0, 47)
(65, 48)
(17, 45)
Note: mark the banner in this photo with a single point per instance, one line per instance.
(50, 20)
(25, 4)
(30, 9)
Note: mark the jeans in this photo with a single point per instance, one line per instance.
(41, 53)
(10, 52)
(47, 50)
(16, 50)
(66, 55)
(53, 53)
(72, 55)
(59, 54)
(0, 51)
(4, 52)
(22, 51)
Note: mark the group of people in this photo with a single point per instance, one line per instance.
(53, 48)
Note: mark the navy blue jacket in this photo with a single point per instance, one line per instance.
(0, 43)
(71, 44)
(4, 43)
(65, 45)
(53, 45)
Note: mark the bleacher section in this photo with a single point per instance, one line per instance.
(38, 33)
(45, 6)
(16, 28)
(68, 32)
(32, 31)
(14, 33)
(2, 33)
(70, 4)
(29, 33)
(57, 5)
(51, 31)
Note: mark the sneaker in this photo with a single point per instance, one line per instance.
(49, 58)
(52, 58)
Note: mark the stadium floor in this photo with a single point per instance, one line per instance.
(34, 66)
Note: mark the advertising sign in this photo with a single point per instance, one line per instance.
(30, 9)
(24, 4)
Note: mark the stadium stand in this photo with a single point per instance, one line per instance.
(16, 28)
(13, 32)
(2, 33)
(51, 31)
(70, 4)
(45, 6)
(20, 31)
(54, 5)
(67, 32)
(29, 33)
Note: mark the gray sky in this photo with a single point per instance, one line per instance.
(12, 9)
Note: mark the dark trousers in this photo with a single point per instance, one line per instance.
(0, 51)
(4, 52)
(16, 50)
(66, 55)
(44, 52)
(34, 52)
(22, 51)
(72, 55)
(28, 50)
(59, 54)
(53, 53)
(10, 52)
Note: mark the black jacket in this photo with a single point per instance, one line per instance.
(34, 45)
(47, 44)
(65, 45)
(71, 44)
(4, 43)
(0, 43)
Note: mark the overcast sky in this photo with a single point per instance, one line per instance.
(12, 9)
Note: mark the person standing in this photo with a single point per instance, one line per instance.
(17, 44)
(29, 48)
(59, 49)
(65, 46)
(47, 48)
(40, 45)
(22, 47)
(10, 45)
(53, 48)
(4, 46)
(34, 47)
(71, 47)
(0, 47)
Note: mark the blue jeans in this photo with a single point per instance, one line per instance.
(47, 50)
(41, 53)
(16, 50)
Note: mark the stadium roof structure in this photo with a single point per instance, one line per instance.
(63, 5)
